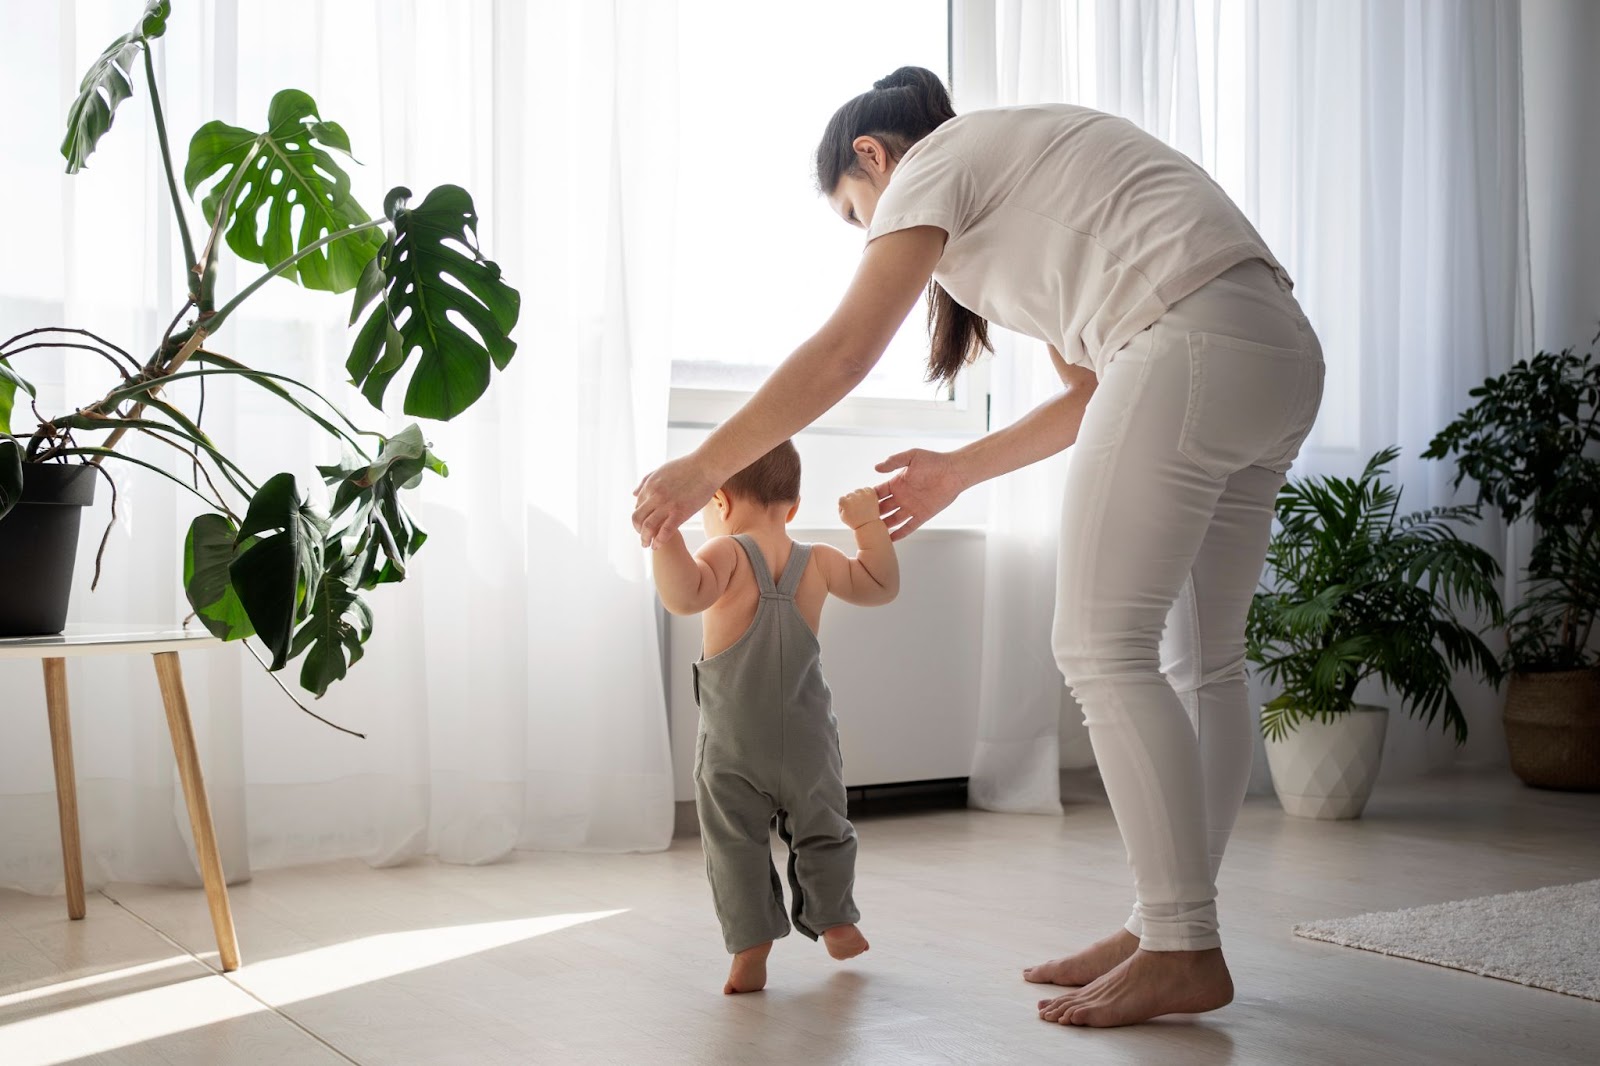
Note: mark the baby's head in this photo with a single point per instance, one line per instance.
(768, 490)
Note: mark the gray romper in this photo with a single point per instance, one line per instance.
(769, 746)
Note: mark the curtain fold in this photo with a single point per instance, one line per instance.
(512, 691)
(1378, 148)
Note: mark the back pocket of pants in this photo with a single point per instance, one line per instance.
(1242, 397)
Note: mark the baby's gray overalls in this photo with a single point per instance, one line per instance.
(769, 746)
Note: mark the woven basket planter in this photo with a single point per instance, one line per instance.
(1553, 728)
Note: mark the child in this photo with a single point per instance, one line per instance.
(768, 743)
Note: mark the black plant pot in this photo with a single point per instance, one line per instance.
(38, 545)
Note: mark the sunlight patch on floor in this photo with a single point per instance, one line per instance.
(60, 988)
(320, 971)
(122, 1020)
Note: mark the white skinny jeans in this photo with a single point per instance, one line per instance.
(1166, 517)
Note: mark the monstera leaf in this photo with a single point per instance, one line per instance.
(107, 84)
(383, 535)
(208, 552)
(437, 298)
(10, 473)
(258, 577)
(10, 382)
(289, 169)
(340, 623)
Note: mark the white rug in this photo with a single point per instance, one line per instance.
(1548, 938)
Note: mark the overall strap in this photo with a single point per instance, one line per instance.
(795, 569)
(758, 562)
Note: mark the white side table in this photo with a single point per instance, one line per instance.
(163, 643)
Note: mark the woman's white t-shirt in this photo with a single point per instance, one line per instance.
(1066, 224)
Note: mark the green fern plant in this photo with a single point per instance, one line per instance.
(1356, 590)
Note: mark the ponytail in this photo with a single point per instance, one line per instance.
(899, 110)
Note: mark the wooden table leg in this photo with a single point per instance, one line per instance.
(170, 676)
(55, 696)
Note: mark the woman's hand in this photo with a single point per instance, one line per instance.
(924, 483)
(668, 496)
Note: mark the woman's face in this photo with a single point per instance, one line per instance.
(855, 199)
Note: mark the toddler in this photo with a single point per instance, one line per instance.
(768, 745)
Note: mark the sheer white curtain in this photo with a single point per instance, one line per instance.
(511, 694)
(1378, 147)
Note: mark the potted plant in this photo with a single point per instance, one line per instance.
(262, 560)
(1356, 591)
(1529, 443)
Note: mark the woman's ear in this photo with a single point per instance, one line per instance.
(872, 156)
(794, 509)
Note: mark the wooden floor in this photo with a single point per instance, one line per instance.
(579, 959)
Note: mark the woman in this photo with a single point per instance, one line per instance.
(1190, 378)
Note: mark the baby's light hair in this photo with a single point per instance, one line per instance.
(773, 478)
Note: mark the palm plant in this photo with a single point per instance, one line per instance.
(1357, 591)
(1524, 443)
(263, 560)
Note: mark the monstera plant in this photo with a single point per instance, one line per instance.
(263, 560)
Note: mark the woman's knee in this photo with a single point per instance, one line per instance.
(1086, 652)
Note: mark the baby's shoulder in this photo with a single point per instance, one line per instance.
(825, 560)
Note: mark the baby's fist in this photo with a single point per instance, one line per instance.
(858, 508)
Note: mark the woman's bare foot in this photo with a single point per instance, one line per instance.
(1148, 985)
(749, 970)
(844, 941)
(1090, 964)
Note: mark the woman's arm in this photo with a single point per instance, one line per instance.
(925, 482)
(1041, 433)
(894, 271)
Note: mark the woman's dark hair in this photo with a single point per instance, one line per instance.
(900, 110)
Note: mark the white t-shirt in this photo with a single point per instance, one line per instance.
(1066, 224)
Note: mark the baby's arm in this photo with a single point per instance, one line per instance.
(688, 584)
(872, 578)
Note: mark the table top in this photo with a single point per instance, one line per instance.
(97, 638)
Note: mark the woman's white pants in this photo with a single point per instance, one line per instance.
(1165, 523)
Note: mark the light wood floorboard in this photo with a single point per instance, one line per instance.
(550, 958)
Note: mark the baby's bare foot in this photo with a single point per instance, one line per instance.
(844, 941)
(749, 970)
(1090, 964)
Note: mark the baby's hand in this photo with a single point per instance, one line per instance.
(858, 508)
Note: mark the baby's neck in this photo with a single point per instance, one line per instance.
(762, 528)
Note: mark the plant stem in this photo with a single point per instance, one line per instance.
(68, 329)
(291, 696)
(102, 453)
(189, 347)
(208, 257)
(172, 178)
(233, 368)
(67, 344)
(226, 309)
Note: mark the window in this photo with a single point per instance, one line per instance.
(761, 258)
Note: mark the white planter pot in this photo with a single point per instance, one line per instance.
(1327, 769)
